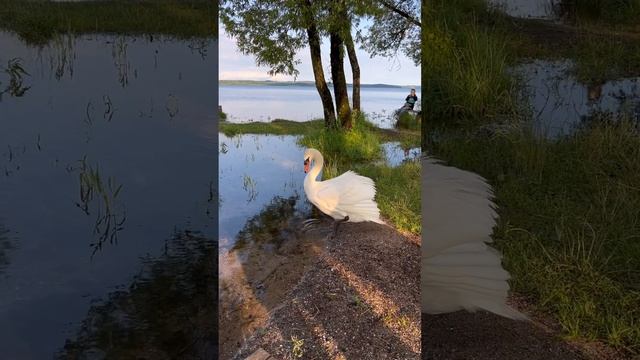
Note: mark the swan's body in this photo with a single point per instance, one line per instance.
(348, 197)
(459, 270)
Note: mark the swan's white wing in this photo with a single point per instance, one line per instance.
(459, 270)
(350, 195)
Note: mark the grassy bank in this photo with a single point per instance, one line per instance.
(569, 225)
(622, 14)
(38, 22)
(359, 149)
(407, 138)
(275, 127)
(467, 58)
(469, 48)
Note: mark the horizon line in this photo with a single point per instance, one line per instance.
(313, 81)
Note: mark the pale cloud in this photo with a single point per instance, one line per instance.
(235, 66)
(251, 75)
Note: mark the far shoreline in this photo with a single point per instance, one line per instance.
(306, 83)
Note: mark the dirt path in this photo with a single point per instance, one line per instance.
(360, 300)
(483, 336)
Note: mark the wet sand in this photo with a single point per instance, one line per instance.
(255, 280)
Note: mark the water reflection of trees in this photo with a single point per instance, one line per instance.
(267, 259)
(266, 227)
(167, 312)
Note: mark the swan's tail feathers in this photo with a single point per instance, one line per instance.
(362, 211)
(466, 277)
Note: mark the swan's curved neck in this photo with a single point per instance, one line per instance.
(317, 167)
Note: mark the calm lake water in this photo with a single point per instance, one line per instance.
(560, 103)
(302, 103)
(108, 166)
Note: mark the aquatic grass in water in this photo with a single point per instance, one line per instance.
(16, 73)
(108, 220)
(37, 22)
(568, 224)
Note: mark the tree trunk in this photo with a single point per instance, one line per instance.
(318, 72)
(355, 70)
(339, 82)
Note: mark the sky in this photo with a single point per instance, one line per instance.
(399, 70)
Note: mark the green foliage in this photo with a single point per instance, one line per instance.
(568, 222)
(272, 31)
(408, 121)
(391, 33)
(37, 22)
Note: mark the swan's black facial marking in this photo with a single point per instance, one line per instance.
(306, 165)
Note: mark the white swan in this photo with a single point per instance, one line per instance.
(459, 270)
(348, 197)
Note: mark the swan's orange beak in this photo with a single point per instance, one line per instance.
(306, 166)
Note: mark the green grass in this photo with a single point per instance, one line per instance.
(398, 194)
(569, 225)
(467, 60)
(275, 127)
(407, 138)
(408, 121)
(617, 13)
(347, 146)
(602, 58)
(38, 22)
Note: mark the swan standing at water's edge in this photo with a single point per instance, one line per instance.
(348, 197)
(459, 270)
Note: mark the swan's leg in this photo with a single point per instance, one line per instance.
(337, 223)
(309, 224)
